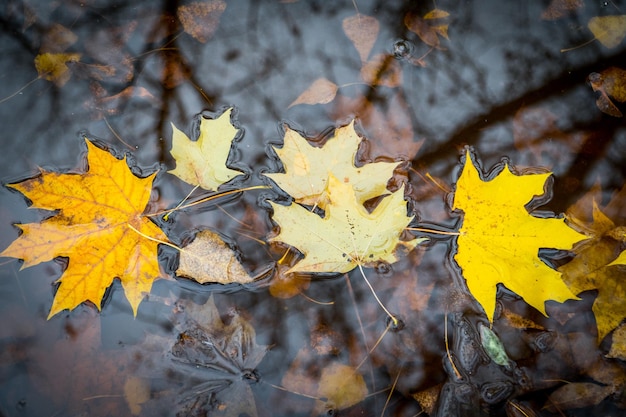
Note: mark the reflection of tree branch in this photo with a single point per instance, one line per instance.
(470, 133)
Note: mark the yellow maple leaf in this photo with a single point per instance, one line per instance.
(608, 30)
(499, 240)
(96, 227)
(203, 162)
(348, 235)
(307, 167)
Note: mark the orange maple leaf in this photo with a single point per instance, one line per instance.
(99, 226)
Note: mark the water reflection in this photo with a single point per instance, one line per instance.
(500, 84)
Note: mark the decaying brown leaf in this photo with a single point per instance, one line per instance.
(561, 8)
(201, 19)
(429, 27)
(382, 69)
(362, 31)
(608, 30)
(209, 259)
(321, 91)
(136, 392)
(610, 82)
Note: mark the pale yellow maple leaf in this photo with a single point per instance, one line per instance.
(348, 235)
(499, 240)
(203, 162)
(307, 167)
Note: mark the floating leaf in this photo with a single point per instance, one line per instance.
(209, 259)
(99, 227)
(609, 30)
(200, 19)
(348, 235)
(322, 91)
(342, 386)
(307, 167)
(499, 240)
(362, 31)
(203, 162)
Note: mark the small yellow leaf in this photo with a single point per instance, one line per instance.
(209, 259)
(307, 167)
(609, 30)
(203, 162)
(200, 19)
(53, 67)
(342, 386)
(322, 91)
(362, 31)
(499, 240)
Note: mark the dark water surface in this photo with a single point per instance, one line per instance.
(499, 84)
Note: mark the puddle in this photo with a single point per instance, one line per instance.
(500, 84)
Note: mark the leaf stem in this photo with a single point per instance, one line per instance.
(171, 245)
(380, 303)
(436, 232)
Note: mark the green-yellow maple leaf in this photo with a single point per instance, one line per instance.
(499, 240)
(203, 162)
(307, 167)
(348, 235)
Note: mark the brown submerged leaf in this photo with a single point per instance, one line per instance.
(201, 19)
(610, 82)
(561, 8)
(321, 91)
(362, 31)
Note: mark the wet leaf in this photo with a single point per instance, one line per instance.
(362, 31)
(342, 386)
(200, 19)
(578, 395)
(203, 162)
(53, 66)
(382, 69)
(609, 30)
(561, 8)
(594, 268)
(348, 235)
(499, 239)
(209, 259)
(493, 346)
(307, 167)
(321, 91)
(217, 362)
(610, 82)
(429, 27)
(99, 226)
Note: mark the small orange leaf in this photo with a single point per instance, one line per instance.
(383, 70)
(321, 91)
(362, 31)
(99, 226)
(609, 30)
(53, 67)
(201, 19)
(428, 28)
(436, 14)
